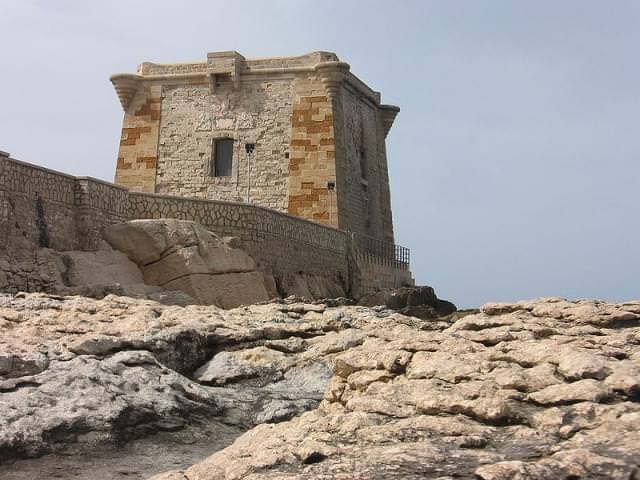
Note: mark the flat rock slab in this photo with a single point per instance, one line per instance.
(226, 291)
(135, 461)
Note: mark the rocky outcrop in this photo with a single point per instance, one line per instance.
(539, 390)
(183, 255)
(94, 274)
(421, 302)
(172, 261)
(544, 389)
(80, 371)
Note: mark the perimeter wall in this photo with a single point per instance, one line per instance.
(43, 208)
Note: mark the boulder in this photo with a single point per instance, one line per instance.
(183, 255)
(104, 267)
(167, 249)
(226, 290)
(108, 271)
(145, 241)
(420, 302)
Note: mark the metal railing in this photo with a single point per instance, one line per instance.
(381, 252)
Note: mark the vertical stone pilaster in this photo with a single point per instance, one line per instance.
(82, 212)
(138, 153)
(4, 206)
(386, 116)
(312, 163)
(342, 186)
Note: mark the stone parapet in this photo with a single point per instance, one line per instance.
(326, 64)
(220, 215)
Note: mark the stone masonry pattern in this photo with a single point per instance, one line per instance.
(193, 118)
(318, 133)
(48, 209)
(312, 162)
(138, 154)
(365, 202)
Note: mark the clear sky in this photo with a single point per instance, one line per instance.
(514, 163)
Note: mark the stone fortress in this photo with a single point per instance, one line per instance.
(308, 137)
(285, 154)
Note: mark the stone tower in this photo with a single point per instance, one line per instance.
(302, 135)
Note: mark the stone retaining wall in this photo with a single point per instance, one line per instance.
(37, 206)
(282, 245)
(43, 208)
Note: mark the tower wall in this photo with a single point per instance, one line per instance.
(138, 153)
(312, 166)
(362, 170)
(317, 130)
(193, 117)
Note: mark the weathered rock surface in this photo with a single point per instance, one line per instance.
(81, 371)
(103, 267)
(543, 389)
(91, 274)
(420, 302)
(183, 255)
(107, 271)
(311, 287)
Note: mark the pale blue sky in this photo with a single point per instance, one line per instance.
(515, 161)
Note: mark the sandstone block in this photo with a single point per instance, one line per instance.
(146, 241)
(183, 255)
(227, 291)
(103, 267)
(202, 258)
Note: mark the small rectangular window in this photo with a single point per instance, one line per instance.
(222, 157)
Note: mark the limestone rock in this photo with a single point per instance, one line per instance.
(528, 390)
(183, 255)
(581, 391)
(577, 364)
(104, 267)
(203, 258)
(128, 392)
(578, 463)
(20, 365)
(228, 367)
(85, 372)
(420, 302)
(146, 241)
(226, 291)
(525, 390)
(179, 246)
